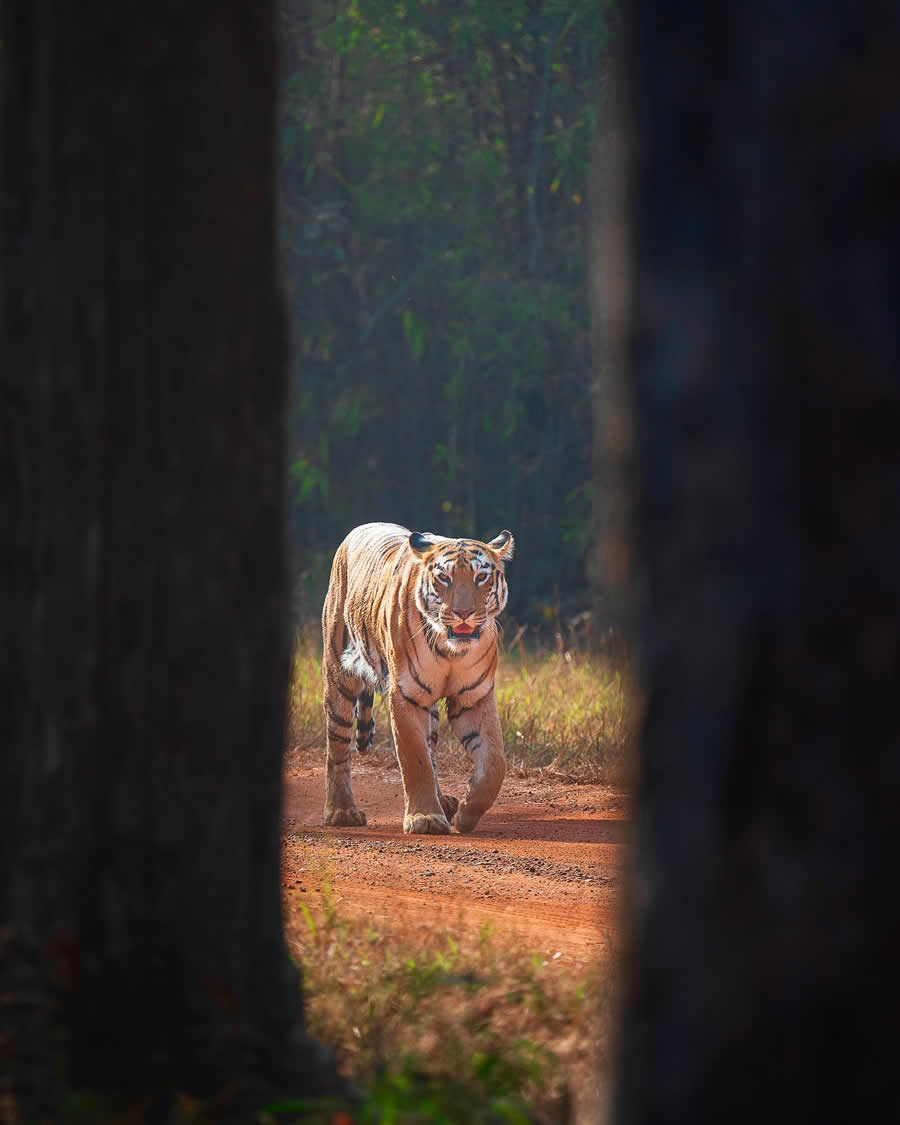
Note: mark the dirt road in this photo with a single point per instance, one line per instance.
(543, 865)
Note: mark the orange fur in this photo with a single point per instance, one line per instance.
(414, 614)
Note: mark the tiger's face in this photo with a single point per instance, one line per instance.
(461, 582)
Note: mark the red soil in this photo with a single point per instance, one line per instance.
(544, 864)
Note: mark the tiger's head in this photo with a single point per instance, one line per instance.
(461, 582)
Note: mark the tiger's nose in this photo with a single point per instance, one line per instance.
(462, 614)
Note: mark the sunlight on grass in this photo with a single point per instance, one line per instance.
(559, 711)
(305, 719)
(565, 712)
(471, 1026)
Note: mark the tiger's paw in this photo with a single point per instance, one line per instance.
(426, 823)
(466, 819)
(449, 805)
(351, 817)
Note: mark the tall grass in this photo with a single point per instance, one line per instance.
(561, 711)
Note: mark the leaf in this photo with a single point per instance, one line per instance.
(308, 918)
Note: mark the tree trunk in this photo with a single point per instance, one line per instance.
(766, 365)
(607, 563)
(145, 612)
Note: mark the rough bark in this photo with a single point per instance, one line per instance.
(144, 612)
(766, 364)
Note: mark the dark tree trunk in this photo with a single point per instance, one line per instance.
(607, 563)
(765, 190)
(144, 604)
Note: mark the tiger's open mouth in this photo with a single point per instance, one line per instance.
(463, 633)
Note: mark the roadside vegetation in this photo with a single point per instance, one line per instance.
(562, 712)
(442, 1027)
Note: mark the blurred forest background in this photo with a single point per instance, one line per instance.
(435, 230)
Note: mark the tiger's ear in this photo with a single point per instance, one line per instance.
(503, 546)
(421, 541)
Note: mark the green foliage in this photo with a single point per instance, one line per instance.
(434, 171)
(403, 1095)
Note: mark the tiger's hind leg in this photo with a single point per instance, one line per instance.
(365, 724)
(341, 694)
(448, 804)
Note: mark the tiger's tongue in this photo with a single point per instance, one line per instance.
(463, 629)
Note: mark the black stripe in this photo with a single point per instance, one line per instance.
(412, 672)
(432, 637)
(456, 714)
(467, 738)
(421, 706)
(487, 652)
(364, 699)
(337, 719)
(332, 737)
(474, 684)
(348, 695)
(474, 703)
(415, 646)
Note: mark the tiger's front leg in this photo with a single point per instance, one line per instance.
(448, 804)
(410, 723)
(478, 728)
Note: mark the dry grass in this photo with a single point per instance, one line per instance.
(448, 1028)
(563, 712)
(560, 711)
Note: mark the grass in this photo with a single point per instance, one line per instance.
(560, 711)
(564, 712)
(445, 1029)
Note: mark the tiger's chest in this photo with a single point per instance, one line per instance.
(427, 676)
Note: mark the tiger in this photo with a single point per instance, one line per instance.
(413, 614)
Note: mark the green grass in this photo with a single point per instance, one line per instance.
(442, 1028)
(559, 711)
